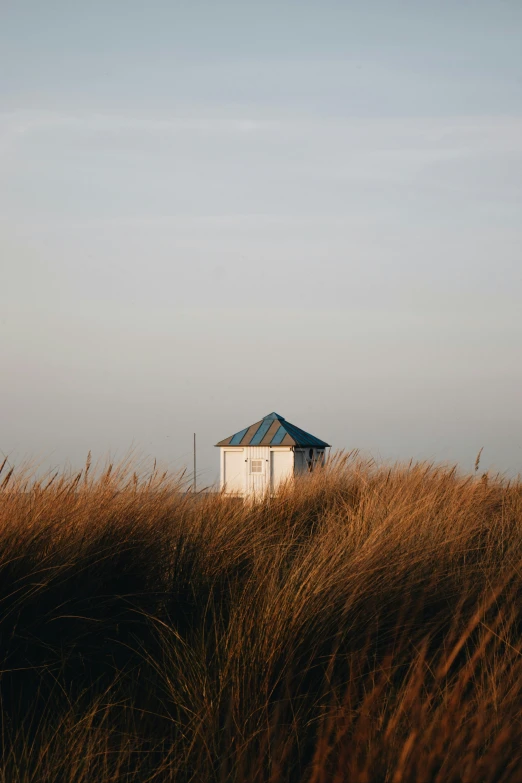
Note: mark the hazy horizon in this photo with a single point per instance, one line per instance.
(212, 211)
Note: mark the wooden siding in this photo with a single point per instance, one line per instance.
(255, 484)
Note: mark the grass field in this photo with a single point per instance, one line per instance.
(365, 625)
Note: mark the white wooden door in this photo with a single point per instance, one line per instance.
(281, 467)
(234, 478)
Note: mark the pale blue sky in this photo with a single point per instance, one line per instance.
(210, 211)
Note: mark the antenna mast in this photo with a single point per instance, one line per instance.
(194, 463)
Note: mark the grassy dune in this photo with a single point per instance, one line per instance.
(365, 625)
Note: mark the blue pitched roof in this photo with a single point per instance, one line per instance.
(273, 430)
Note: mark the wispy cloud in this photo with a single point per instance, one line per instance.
(482, 131)
(25, 122)
(229, 162)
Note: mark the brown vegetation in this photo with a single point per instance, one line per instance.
(365, 625)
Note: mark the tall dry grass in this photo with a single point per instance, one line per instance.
(364, 625)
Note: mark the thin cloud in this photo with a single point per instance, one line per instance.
(22, 123)
(479, 132)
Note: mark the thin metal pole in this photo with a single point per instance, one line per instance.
(194, 462)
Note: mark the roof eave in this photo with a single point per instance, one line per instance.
(269, 446)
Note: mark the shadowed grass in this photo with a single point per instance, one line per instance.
(363, 625)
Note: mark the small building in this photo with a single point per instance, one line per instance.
(265, 454)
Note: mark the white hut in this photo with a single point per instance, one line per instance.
(265, 454)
